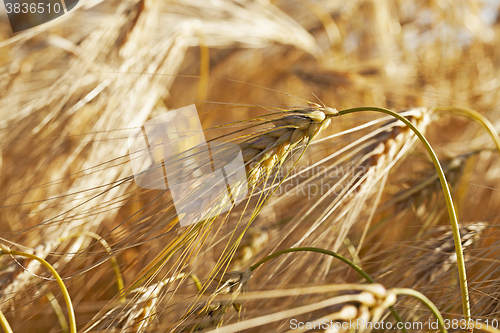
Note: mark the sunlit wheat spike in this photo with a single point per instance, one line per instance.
(296, 130)
(391, 141)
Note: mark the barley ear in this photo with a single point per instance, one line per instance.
(449, 202)
(265, 152)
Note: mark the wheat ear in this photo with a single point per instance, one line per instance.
(449, 202)
(296, 130)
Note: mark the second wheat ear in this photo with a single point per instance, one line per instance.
(464, 290)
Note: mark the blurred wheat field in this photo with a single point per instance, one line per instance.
(359, 185)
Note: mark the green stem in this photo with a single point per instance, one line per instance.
(447, 195)
(67, 299)
(59, 312)
(358, 269)
(4, 323)
(196, 281)
(427, 302)
(114, 262)
(476, 116)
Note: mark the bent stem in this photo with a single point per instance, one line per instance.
(477, 117)
(447, 195)
(358, 269)
(427, 302)
(67, 298)
(4, 323)
(114, 262)
(59, 312)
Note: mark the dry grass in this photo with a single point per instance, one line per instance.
(360, 185)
